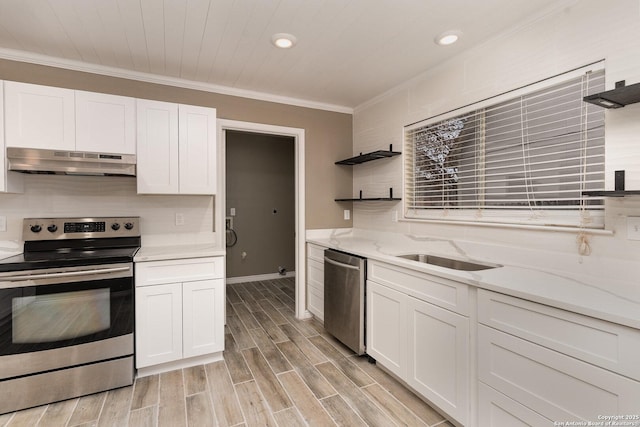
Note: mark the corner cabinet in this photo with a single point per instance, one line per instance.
(418, 328)
(179, 313)
(176, 148)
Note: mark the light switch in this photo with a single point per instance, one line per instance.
(347, 214)
(232, 211)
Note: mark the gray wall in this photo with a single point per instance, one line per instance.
(260, 179)
(328, 135)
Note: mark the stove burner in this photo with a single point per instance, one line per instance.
(62, 242)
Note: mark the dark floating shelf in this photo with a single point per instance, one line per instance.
(375, 155)
(612, 193)
(616, 98)
(372, 199)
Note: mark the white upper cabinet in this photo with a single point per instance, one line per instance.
(10, 182)
(176, 148)
(39, 116)
(105, 123)
(157, 158)
(197, 153)
(63, 119)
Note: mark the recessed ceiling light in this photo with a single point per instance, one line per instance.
(448, 37)
(283, 40)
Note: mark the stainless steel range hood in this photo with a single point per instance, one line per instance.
(39, 161)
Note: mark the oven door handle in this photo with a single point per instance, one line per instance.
(65, 274)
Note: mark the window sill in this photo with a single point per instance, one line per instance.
(532, 227)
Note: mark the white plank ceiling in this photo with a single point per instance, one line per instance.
(348, 51)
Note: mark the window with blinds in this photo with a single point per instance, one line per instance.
(526, 159)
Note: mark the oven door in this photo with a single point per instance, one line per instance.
(61, 317)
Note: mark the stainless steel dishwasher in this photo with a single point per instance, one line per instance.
(344, 297)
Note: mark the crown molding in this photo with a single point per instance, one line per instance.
(39, 59)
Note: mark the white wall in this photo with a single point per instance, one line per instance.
(61, 196)
(585, 32)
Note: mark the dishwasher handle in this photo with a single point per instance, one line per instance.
(341, 264)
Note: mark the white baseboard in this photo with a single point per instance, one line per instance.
(258, 277)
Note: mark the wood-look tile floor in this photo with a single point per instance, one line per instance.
(277, 371)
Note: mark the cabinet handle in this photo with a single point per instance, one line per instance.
(340, 264)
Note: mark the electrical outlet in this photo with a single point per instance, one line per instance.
(347, 214)
(3, 223)
(232, 211)
(179, 219)
(394, 216)
(633, 228)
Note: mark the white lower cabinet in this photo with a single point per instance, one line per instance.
(540, 365)
(438, 356)
(497, 410)
(315, 280)
(158, 324)
(424, 345)
(202, 305)
(179, 323)
(387, 327)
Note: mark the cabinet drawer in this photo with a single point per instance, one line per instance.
(315, 252)
(552, 384)
(444, 293)
(180, 270)
(601, 343)
(497, 410)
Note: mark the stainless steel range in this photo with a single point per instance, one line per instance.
(66, 310)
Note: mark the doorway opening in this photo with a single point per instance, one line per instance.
(260, 206)
(230, 129)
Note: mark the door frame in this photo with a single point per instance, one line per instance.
(300, 227)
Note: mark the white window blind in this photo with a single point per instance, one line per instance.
(522, 160)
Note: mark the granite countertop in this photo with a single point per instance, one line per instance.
(615, 299)
(168, 252)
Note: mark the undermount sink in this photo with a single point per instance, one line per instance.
(454, 264)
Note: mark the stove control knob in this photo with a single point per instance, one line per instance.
(128, 225)
(115, 226)
(52, 228)
(36, 228)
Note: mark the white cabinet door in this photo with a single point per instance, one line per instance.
(497, 410)
(438, 365)
(105, 123)
(197, 152)
(157, 147)
(10, 182)
(158, 324)
(39, 116)
(387, 327)
(3, 151)
(203, 315)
